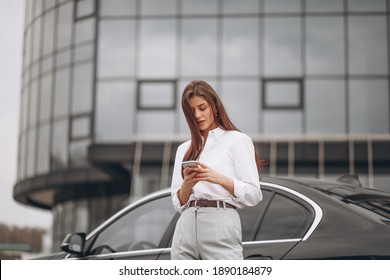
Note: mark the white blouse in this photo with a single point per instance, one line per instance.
(230, 153)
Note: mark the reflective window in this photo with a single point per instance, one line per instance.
(306, 159)
(199, 7)
(82, 88)
(65, 24)
(47, 65)
(142, 228)
(324, 6)
(84, 52)
(282, 122)
(46, 98)
(31, 152)
(59, 152)
(290, 218)
(158, 7)
(282, 6)
(321, 97)
(240, 7)
(282, 94)
(156, 122)
(118, 7)
(33, 106)
(283, 46)
(248, 101)
(43, 162)
(239, 35)
(115, 107)
(199, 47)
(50, 4)
(63, 58)
(81, 127)
(79, 152)
(369, 106)
(48, 32)
(85, 30)
(336, 156)
(364, 5)
(325, 45)
(61, 93)
(116, 48)
(37, 39)
(156, 95)
(157, 60)
(85, 8)
(22, 159)
(367, 45)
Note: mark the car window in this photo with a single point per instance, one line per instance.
(138, 229)
(284, 219)
(250, 216)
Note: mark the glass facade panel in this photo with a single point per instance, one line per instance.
(242, 96)
(82, 88)
(282, 6)
(282, 94)
(63, 58)
(43, 163)
(156, 96)
(85, 8)
(325, 6)
(46, 98)
(84, 52)
(79, 153)
(31, 152)
(81, 127)
(199, 47)
(50, 4)
(157, 60)
(156, 123)
(116, 48)
(199, 7)
(158, 7)
(59, 150)
(279, 122)
(61, 93)
(283, 46)
(65, 24)
(325, 104)
(85, 30)
(37, 39)
(325, 46)
(118, 7)
(238, 35)
(369, 106)
(368, 45)
(47, 65)
(115, 107)
(33, 106)
(240, 7)
(365, 6)
(48, 32)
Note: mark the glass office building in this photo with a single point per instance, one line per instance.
(100, 119)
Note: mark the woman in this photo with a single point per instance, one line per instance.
(226, 178)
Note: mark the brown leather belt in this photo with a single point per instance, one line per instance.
(210, 203)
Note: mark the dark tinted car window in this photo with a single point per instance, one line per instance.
(141, 228)
(284, 219)
(250, 216)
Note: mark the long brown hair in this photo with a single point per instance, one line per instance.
(222, 120)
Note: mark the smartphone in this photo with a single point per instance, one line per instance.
(190, 163)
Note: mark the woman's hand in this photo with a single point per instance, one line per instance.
(206, 173)
(188, 183)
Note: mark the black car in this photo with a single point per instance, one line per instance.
(297, 219)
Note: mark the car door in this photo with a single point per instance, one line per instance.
(273, 227)
(137, 234)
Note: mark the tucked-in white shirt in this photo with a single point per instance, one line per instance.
(230, 153)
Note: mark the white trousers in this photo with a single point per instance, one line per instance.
(207, 233)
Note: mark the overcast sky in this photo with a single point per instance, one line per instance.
(11, 50)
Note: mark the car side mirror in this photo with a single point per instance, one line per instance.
(74, 243)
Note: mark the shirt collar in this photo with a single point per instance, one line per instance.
(216, 132)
